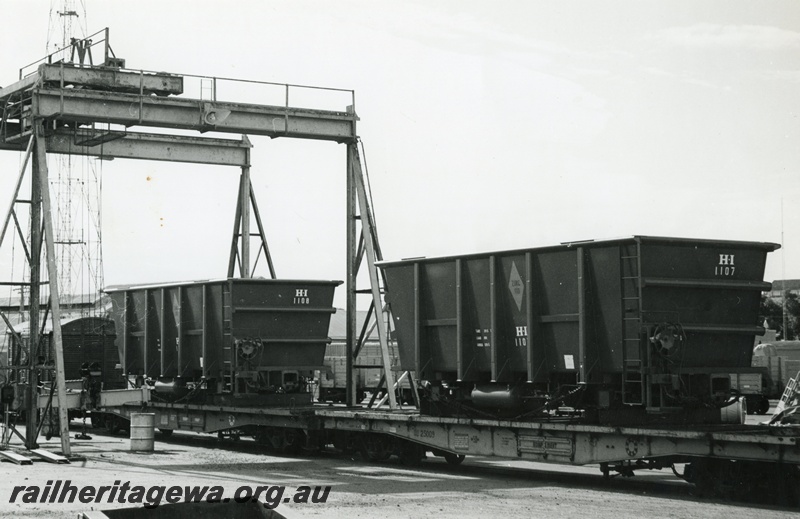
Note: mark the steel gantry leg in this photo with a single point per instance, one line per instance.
(240, 244)
(33, 307)
(350, 284)
(40, 177)
(357, 193)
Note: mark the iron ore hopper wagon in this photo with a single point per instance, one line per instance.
(244, 342)
(632, 330)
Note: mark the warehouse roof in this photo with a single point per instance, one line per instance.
(786, 284)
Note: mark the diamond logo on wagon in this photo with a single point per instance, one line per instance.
(516, 286)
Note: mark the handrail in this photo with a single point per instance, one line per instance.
(219, 81)
(84, 48)
(49, 58)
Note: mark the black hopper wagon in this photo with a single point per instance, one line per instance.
(248, 343)
(636, 330)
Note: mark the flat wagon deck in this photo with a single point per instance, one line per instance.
(728, 459)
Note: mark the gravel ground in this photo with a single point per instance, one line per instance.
(481, 487)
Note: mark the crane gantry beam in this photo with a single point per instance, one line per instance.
(193, 114)
(109, 145)
(61, 95)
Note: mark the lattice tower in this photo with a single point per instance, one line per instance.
(76, 187)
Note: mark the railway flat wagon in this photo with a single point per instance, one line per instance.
(242, 341)
(627, 330)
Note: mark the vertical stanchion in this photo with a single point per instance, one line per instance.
(244, 203)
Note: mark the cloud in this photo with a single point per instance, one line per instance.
(655, 71)
(682, 76)
(792, 76)
(714, 36)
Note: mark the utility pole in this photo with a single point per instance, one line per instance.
(783, 275)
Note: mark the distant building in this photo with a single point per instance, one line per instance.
(10, 305)
(332, 381)
(779, 286)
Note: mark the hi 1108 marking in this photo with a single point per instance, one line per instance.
(301, 297)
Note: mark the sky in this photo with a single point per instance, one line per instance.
(486, 126)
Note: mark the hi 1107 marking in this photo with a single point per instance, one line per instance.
(726, 266)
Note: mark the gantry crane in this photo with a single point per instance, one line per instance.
(73, 107)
